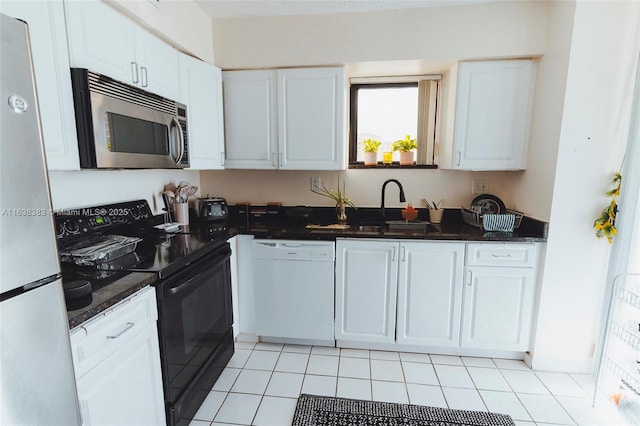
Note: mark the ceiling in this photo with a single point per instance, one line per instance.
(252, 8)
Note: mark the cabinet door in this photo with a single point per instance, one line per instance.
(201, 91)
(430, 293)
(366, 286)
(102, 40)
(158, 65)
(498, 304)
(493, 109)
(126, 388)
(311, 118)
(250, 122)
(53, 82)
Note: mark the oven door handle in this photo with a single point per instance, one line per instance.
(190, 282)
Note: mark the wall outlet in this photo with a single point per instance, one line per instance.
(315, 183)
(480, 186)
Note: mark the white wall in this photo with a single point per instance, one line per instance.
(439, 35)
(392, 42)
(94, 187)
(183, 23)
(533, 188)
(595, 120)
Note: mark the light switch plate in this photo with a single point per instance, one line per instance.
(315, 183)
(480, 186)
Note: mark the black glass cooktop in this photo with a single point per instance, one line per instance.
(157, 252)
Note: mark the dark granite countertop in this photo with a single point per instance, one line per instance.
(451, 228)
(109, 295)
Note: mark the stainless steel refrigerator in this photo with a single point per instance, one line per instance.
(37, 383)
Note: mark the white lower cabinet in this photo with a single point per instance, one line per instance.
(425, 295)
(499, 296)
(430, 293)
(399, 292)
(366, 288)
(117, 364)
(498, 304)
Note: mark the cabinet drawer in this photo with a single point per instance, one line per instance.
(499, 254)
(96, 339)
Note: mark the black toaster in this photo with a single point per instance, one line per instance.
(214, 208)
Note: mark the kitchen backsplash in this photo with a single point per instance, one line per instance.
(92, 187)
(362, 186)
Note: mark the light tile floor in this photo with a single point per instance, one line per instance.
(262, 382)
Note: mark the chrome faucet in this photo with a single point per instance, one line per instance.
(402, 199)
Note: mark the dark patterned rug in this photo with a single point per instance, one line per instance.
(315, 410)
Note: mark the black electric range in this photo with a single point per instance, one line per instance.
(193, 290)
(158, 251)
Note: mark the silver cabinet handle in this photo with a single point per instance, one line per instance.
(282, 159)
(459, 155)
(403, 253)
(500, 255)
(469, 278)
(222, 158)
(134, 72)
(126, 328)
(273, 160)
(393, 254)
(145, 80)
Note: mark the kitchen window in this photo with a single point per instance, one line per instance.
(387, 109)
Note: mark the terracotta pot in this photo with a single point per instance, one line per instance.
(406, 158)
(370, 158)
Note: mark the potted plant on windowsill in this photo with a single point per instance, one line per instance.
(406, 147)
(370, 147)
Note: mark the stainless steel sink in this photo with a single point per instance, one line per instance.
(412, 225)
(369, 228)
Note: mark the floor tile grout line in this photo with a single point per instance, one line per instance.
(402, 366)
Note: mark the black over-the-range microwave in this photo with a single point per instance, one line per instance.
(124, 127)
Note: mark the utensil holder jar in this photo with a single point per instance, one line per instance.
(181, 213)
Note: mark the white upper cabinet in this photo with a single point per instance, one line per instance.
(158, 64)
(288, 119)
(104, 41)
(201, 92)
(487, 116)
(250, 119)
(53, 80)
(311, 132)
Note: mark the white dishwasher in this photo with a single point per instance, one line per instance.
(294, 289)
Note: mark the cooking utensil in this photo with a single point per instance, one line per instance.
(192, 191)
(171, 198)
(426, 203)
(184, 190)
(170, 187)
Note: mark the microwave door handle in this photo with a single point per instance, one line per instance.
(177, 123)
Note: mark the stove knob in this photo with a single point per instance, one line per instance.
(135, 213)
(71, 226)
(60, 232)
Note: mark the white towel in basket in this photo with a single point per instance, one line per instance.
(499, 222)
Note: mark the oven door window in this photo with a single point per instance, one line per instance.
(136, 136)
(196, 314)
